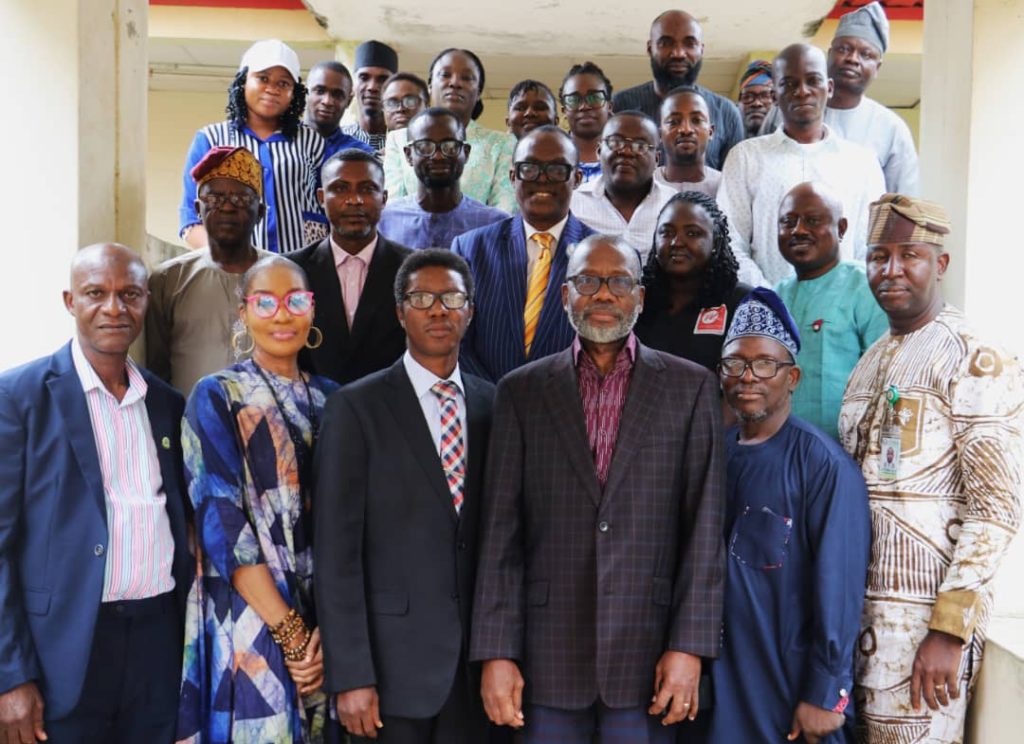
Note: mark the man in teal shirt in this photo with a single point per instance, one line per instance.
(829, 299)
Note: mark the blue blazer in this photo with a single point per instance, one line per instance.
(493, 344)
(53, 523)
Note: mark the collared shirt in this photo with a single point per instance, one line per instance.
(759, 174)
(709, 186)
(376, 141)
(533, 248)
(140, 547)
(603, 400)
(422, 380)
(406, 222)
(590, 171)
(593, 207)
(352, 274)
(341, 141)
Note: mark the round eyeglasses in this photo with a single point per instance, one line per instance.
(266, 305)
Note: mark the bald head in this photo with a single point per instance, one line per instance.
(676, 50)
(105, 256)
(581, 255)
(811, 226)
(673, 18)
(802, 90)
(814, 192)
(603, 295)
(801, 53)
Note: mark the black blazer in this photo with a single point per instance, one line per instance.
(395, 564)
(375, 339)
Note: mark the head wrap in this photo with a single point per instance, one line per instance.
(763, 313)
(896, 218)
(271, 53)
(758, 72)
(235, 163)
(376, 54)
(868, 23)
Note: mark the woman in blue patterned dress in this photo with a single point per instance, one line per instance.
(253, 668)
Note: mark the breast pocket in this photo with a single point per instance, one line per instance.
(760, 538)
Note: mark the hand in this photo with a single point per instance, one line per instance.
(814, 723)
(359, 711)
(936, 670)
(21, 715)
(308, 674)
(676, 681)
(502, 690)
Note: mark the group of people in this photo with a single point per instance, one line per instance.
(515, 442)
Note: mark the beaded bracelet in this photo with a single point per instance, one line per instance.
(298, 653)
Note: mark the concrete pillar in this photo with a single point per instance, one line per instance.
(75, 170)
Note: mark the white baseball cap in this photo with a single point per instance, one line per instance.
(271, 53)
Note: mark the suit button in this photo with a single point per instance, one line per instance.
(603, 526)
(98, 550)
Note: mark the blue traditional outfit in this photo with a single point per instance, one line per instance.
(798, 536)
(247, 436)
(407, 223)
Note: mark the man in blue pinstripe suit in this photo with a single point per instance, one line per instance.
(519, 263)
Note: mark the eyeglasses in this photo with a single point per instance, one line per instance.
(407, 102)
(763, 369)
(615, 143)
(425, 148)
(239, 200)
(426, 300)
(593, 98)
(765, 96)
(266, 305)
(588, 285)
(556, 172)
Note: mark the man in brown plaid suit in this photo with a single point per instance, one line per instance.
(601, 558)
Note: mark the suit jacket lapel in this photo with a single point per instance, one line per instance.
(552, 313)
(324, 280)
(409, 417)
(640, 409)
(476, 410)
(561, 395)
(511, 251)
(378, 287)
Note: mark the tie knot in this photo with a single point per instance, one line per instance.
(444, 389)
(544, 239)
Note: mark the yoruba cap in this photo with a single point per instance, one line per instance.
(758, 72)
(271, 53)
(376, 54)
(235, 163)
(868, 23)
(896, 218)
(763, 313)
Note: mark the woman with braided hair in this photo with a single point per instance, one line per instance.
(690, 280)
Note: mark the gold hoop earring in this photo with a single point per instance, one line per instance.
(236, 343)
(319, 338)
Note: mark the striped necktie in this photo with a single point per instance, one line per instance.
(453, 448)
(537, 287)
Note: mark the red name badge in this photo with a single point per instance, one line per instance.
(712, 320)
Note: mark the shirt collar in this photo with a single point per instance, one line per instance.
(423, 379)
(781, 136)
(555, 230)
(365, 255)
(629, 349)
(91, 381)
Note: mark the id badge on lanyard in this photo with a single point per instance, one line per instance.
(889, 452)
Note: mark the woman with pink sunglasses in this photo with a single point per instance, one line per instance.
(253, 667)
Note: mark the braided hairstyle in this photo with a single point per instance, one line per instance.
(720, 273)
(238, 111)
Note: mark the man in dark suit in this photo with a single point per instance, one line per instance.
(351, 273)
(601, 556)
(94, 565)
(398, 471)
(519, 263)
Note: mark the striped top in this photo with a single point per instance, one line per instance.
(291, 170)
(140, 548)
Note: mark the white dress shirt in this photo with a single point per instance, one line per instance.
(593, 207)
(533, 248)
(422, 380)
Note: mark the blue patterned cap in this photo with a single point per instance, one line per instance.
(763, 313)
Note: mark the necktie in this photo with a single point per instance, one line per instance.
(536, 288)
(453, 448)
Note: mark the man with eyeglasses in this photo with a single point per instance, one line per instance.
(625, 199)
(586, 97)
(518, 264)
(686, 130)
(399, 474)
(601, 553)
(439, 211)
(405, 95)
(798, 537)
(350, 273)
(329, 91)
(676, 51)
(757, 94)
(854, 60)
(194, 297)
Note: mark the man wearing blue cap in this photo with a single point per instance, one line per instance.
(798, 538)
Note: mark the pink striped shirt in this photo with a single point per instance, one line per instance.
(140, 547)
(603, 400)
(352, 271)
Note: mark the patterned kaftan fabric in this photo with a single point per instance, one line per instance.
(942, 526)
(243, 480)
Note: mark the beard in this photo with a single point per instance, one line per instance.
(667, 81)
(599, 334)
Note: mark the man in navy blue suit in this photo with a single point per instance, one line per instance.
(94, 564)
(518, 264)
